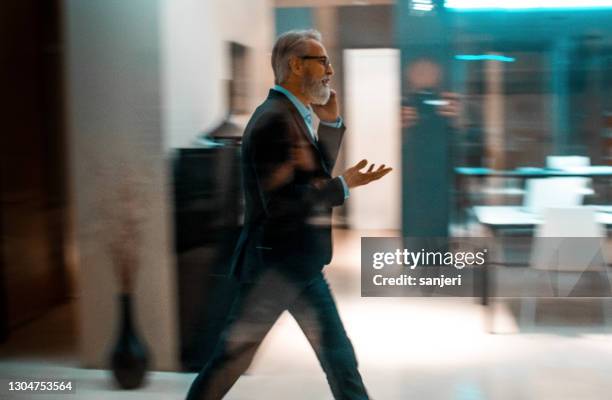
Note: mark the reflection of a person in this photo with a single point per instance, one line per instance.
(424, 74)
(286, 240)
(429, 118)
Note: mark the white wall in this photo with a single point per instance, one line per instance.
(143, 76)
(196, 60)
(371, 82)
(114, 123)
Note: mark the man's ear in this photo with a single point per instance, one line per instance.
(296, 66)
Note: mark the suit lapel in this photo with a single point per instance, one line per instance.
(305, 131)
(302, 126)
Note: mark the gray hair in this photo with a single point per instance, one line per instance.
(290, 43)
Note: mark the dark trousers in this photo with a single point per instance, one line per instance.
(253, 314)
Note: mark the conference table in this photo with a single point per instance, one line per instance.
(515, 217)
(500, 218)
(463, 174)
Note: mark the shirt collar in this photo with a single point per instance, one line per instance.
(305, 112)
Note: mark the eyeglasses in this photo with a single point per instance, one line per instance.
(323, 60)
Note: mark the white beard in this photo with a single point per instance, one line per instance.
(316, 91)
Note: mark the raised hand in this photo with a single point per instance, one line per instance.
(354, 177)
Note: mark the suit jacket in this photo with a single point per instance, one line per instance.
(287, 214)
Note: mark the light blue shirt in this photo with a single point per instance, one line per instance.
(306, 113)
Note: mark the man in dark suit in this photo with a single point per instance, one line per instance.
(286, 240)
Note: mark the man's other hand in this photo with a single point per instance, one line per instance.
(409, 116)
(328, 112)
(354, 177)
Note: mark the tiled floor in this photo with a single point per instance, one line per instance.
(425, 349)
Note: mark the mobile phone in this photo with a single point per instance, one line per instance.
(425, 98)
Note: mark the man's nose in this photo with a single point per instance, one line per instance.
(329, 70)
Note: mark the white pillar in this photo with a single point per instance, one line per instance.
(372, 101)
